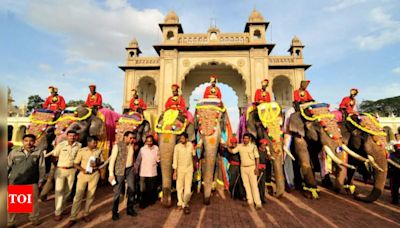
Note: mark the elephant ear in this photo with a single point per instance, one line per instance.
(296, 124)
(222, 122)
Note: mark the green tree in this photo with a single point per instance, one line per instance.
(75, 103)
(34, 102)
(384, 107)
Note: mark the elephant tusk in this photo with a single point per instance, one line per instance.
(269, 153)
(374, 164)
(336, 159)
(289, 153)
(355, 155)
(395, 164)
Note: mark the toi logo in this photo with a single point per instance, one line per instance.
(20, 198)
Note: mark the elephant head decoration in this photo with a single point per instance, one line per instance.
(210, 122)
(264, 122)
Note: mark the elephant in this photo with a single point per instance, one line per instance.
(84, 123)
(168, 136)
(369, 147)
(210, 122)
(271, 131)
(314, 130)
(136, 123)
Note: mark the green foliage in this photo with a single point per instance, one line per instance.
(75, 103)
(34, 102)
(384, 107)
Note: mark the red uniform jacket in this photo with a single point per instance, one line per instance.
(177, 103)
(134, 104)
(54, 103)
(302, 96)
(262, 96)
(348, 104)
(212, 92)
(94, 100)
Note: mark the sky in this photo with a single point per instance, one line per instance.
(73, 43)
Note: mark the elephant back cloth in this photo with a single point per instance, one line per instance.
(128, 123)
(370, 125)
(320, 113)
(40, 119)
(171, 122)
(208, 114)
(271, 118)
(67, 118)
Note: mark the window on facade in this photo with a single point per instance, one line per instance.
(298, 52)
(257, 34)
(213, 36)
(131, 54)
(170, 35)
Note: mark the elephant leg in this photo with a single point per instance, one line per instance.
(211, 144)
(278, 171)
(167, 143)
(341, 173)
(305, 166)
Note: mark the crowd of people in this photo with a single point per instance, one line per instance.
(135, 171)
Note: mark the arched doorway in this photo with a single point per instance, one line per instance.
(230, 81)
(147, 90)
(282, 91)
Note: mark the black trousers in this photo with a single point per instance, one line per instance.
(130, 179)
(149, 191)
(236, 187)
(394, 183)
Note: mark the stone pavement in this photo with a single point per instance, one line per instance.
(292, 210)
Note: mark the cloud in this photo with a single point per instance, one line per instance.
(44, 67)
(343, 4)
(386, 31)
(93, 30)
(396, 70)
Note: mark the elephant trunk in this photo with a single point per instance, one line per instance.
(380, 173)
(278, 170)
(211, 144)
(166, 145)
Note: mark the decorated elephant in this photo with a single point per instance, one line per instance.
(314, 129)
(135, 122)
(366, 137)
(210, 123)
(42, 125)
(170, 125)
(264, 122)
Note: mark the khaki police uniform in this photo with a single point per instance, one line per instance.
(90, 180)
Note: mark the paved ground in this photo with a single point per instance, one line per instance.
(292, 210)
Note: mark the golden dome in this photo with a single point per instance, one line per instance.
(133, 43)
(256, 16)
(171, 18)
(296, 41)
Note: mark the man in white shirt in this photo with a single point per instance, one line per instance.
(183, 171)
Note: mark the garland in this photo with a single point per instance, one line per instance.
(31, 118)
(130, 121)
(366, 129)
(327, 115)
(223, 109)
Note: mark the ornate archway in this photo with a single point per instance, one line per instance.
(283, 91)
(147, 90)
(227, 74)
